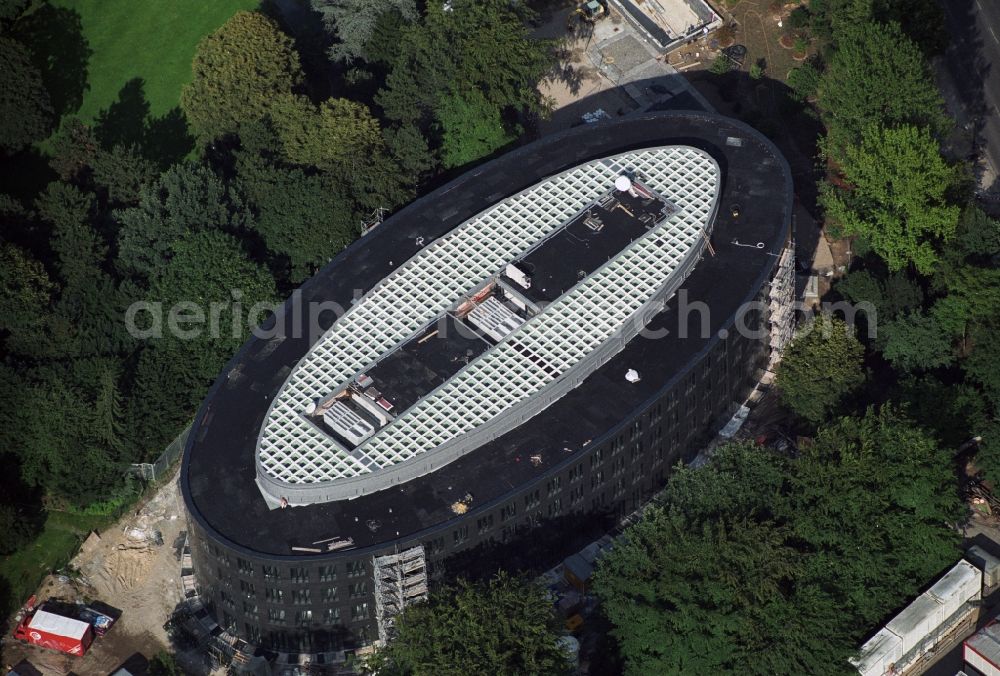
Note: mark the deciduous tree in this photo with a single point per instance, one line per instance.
(877, 76)
(875, 499)
(820, 367)
(187, 198)
(502, 626)
(338, 135)
(238, 70)
(899, 196)
(25, 108)
(470, 128)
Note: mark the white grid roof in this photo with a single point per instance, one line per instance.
(291, 450)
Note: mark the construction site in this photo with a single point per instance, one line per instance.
(135, 566)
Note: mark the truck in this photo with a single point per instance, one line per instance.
(42, 627)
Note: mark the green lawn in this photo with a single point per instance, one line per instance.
(149, 39)
(53, 548)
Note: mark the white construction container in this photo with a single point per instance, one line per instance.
(915, 622)
(964, 582)
(986, 562)
(878, 654)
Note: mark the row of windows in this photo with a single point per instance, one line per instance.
(330, 616)
(296, 574)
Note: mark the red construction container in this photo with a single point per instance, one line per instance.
(55, 632)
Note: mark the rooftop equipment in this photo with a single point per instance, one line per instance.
(518, 275)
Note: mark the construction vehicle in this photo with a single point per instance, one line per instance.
(587, 14)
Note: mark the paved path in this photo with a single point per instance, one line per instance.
(973, 60)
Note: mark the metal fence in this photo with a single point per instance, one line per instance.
(153, 471)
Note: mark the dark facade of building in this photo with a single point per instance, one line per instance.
(538, 492)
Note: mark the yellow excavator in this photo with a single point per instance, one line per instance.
(587, 14)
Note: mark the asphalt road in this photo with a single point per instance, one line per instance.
(973, 59)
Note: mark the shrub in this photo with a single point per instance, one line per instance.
(721, 65)
(16, 529)
(804, 80)
(799, 18)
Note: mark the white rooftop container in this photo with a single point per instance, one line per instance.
(878, 654)
(916, 621)
(963, 582)
(986, 562)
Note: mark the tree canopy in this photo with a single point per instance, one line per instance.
(465, 98)
(237, 71)
(504, 625)
(898, 197)
(876, 76)
(759, 564)
(352, 22)
(820, 367)
(25, 107)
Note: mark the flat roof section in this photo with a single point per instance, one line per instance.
(219, 471)
(426, 361)
(589, 241)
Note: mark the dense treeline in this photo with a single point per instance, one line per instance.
(760, 563)
(271, 178)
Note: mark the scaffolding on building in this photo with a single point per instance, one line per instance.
(781, 310)
(400, 580)
(373, 220)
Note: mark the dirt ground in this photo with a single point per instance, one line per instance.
(131, 568)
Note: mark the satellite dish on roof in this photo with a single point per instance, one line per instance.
(310, 408)
(623, 183)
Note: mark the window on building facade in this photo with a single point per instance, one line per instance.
(359, 611)
(248, 589)
(300, 597)
(576, 473)
(331, 616)
(229, 622)
(460, 534)
(597, 478)
(245, 567)
(484, 524)
(554, 485)
(355, 568)
(299, 574)
(227, 600)
(252, 632)
(303, 617)
(357, 589)
(596, 458)
(276, 615)
(271, 573)
(435, 546)
(555, 508)
(618, 465)
(274, 595)
(250, 607)
(327, 573)
(329, 594)
(531, 500)
(508, 511)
